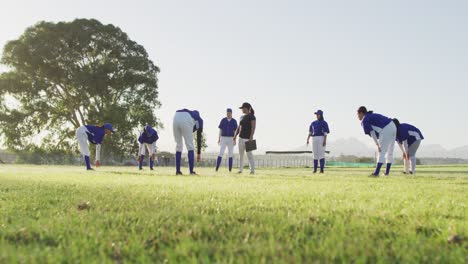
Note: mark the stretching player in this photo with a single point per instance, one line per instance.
(95, 135)
(148, 138)
(246, 131)
(318, 130)
(227, 128)
(186, 122)
(409, 138)
(383, 130)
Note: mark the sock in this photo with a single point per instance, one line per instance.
(88, 163)
(218, 162)
(151, 163)
(315, 164)
(413, 164)
(140, 165)
(178, 159)
(191, 160)
(406, 165)
(377, 168)
(389, 166)
(322, 164)
(230, 164)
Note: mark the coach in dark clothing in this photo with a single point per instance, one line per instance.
(246, 132)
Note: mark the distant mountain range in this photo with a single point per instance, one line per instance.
(352, 146)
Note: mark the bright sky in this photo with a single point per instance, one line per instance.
(405, 59)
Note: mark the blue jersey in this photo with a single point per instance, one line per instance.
(196, 116)
(95, 134)
(409, 133)
(374, 122)
(319, 128)
(149, 135)
(228, 127)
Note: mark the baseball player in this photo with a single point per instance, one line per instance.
(227, 128)
(318, 130)
(409, 138)
(383, 131)
(186, 122)
(246, 132)
(148, 138)
(95, 135)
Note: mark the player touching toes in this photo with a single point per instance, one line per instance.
(409, 138)
(318, 130)
(227, 128)
(148, 138)
(95, 135)
(185, 123)
(383, 130)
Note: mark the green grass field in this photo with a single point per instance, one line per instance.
(278, 215)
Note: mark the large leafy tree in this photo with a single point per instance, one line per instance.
(63, 75)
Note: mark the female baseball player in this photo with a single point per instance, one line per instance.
(246, 132)
(383, 130)
(186, 122)
(318, 130)
(409, 138)
(227, 128)
(95, 135)
(148, 138)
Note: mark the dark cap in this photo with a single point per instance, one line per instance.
(245, 105)
(319, 112)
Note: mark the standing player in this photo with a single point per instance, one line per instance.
(318, 130)
(95, 135)
(383, 130)
(227, 128)
(186, 122)
(148, 138)
(246, 132)
(409, 138)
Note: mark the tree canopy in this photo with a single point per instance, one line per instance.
(64, 75)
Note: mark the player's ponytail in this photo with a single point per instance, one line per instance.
(397, 124)
(252, 111)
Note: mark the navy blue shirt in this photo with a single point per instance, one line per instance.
(319, 128)
(228, 127)
(409, 133)
(149, 135)
(374, 122)
(196, 116)
(95, 134)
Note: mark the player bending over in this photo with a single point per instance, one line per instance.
(185, 123)
(409, 138)
(383, 130)
(95, 135)
(148, 138)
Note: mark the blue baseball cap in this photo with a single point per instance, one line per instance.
(108, 126)
(319, 112)
(229, 110)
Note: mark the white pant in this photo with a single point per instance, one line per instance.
(412, 156)
(82, 139)
(229, 143)
(151, 148)
(317, 147)
(183, 131)
(241, 144)
(387, 143)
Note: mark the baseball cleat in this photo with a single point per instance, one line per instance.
(179, 173)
